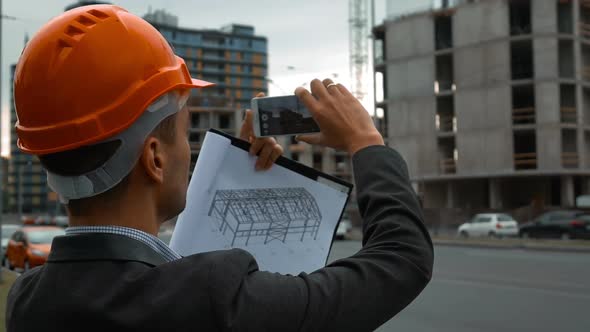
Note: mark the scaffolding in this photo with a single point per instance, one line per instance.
(358, 46)
(270, 213)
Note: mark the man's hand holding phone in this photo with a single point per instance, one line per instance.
(267, 148)
(344, 123)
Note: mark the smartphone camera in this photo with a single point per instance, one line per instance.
(282, 116)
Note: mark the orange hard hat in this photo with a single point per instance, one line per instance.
(88, 74)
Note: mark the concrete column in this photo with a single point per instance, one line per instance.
(495, 194)
(328, 161)
(306, 157)
(567, 191)
(450, 195)
(585, 185)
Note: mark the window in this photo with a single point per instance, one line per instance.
(195, 120)
(44, 236)
(564, 17)
(522, 59)
(443, 31)
(520, 17)
(560, 215)
(195, 138)
(483, 219)
(224, 121)
(504, 217)
(317, 161)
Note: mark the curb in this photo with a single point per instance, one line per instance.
(356, 235)
(521, 246)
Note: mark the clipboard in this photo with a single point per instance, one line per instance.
(285, 217)
(292, 165)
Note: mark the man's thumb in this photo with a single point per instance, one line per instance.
(314, 139)
(247, 127)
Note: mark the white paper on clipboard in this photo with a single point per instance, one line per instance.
(284, 219)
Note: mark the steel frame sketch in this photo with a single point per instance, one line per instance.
(272, 213)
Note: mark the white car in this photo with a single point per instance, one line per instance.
(343, 228)
(489, 224)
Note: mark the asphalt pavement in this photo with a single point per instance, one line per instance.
(481, 290)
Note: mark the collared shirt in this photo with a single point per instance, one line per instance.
(148, 239)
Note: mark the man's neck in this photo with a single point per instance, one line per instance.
(141, 219)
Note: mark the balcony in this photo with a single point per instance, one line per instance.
(523, 116)
(525, 160)
(584, 29)
(569, 115)
(209, 70)
(213, 58)
(195, 147)
(446, 124)
(448, 166)
(570, 159)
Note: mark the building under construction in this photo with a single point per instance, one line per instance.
(489, 101)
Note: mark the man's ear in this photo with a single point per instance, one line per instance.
(153, 159)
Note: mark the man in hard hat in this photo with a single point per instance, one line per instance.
(101, 99)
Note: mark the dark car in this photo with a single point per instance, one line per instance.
(564, 224)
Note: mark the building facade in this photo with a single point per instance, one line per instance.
(27, 189)
(489, 101)
(81, 3)
(233, 57)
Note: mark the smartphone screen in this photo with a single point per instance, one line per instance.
(284, 116)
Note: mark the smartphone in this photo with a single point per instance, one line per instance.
(282, 116)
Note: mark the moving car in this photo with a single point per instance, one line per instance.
(563, 224)
(489, 224)
(30, 246)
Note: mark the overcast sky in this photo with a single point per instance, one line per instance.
(309, 35)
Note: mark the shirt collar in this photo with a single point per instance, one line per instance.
(150, 240)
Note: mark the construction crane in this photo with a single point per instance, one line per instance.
(359, 47)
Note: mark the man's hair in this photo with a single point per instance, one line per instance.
(89, 158)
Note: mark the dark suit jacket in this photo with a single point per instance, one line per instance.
(100, 282)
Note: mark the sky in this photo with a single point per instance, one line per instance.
(307, 38)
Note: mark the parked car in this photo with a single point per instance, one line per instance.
(30, 246)
(564, 224)
(61, 221)
(28, 220)
(165, 234)
(7, 231)
(489, 224)
(344, 227)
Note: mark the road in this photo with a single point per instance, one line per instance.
(481, 290)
